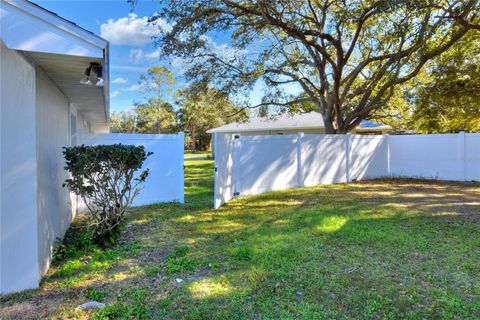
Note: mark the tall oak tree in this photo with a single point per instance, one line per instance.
(345, 57)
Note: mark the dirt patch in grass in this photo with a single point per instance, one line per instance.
(379, 249)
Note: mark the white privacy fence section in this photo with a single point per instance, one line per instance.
(165, 180)
(436, 156)
(223, 180)
(256, 172)
(323, 159)
(246, 165)
(368, 157)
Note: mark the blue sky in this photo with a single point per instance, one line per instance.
(131, 49)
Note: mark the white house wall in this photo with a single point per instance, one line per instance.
(18, 190)
(54, 202)
(34, 207)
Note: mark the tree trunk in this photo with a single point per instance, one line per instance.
(328, 125)
(194, 139)
(328, 122)
(159, 119)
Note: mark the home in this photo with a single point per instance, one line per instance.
(311, 122)
(54, 88)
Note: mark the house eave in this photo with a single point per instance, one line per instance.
(63, 50)
(33, 15)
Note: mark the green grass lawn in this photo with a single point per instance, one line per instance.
(399, 249)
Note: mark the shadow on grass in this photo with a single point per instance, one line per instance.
(331, 266)
(376, 249)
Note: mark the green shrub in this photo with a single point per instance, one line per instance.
(105, 177)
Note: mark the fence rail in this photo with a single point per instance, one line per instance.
(246, 165)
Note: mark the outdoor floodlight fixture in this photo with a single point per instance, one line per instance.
(99, 82)
(86, 76)
(97, 69)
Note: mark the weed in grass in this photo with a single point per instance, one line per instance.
(131, 304)
(68, 269)
(181, 264)
(178, 261)
(131, 248)
(78, 241)
(212, 264)
(153, 270)
(134, 269)
(94, 294)
(242, 253)
(108, 255)
(178, 252)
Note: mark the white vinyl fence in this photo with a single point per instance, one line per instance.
(246, 165)
(165, 180)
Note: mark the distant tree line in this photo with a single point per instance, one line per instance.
(195, 110)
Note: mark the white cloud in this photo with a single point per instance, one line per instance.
(114, 94)
(120, 80)
(135, 87)
(223, 51)
(153, 55)
(138, 54)
(132, 30)
(128, 68)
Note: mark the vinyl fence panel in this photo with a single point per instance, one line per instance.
(323, 159)
(266, 163)
(165, 180)
(255, 164)
(368, 157)
(433, 156)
